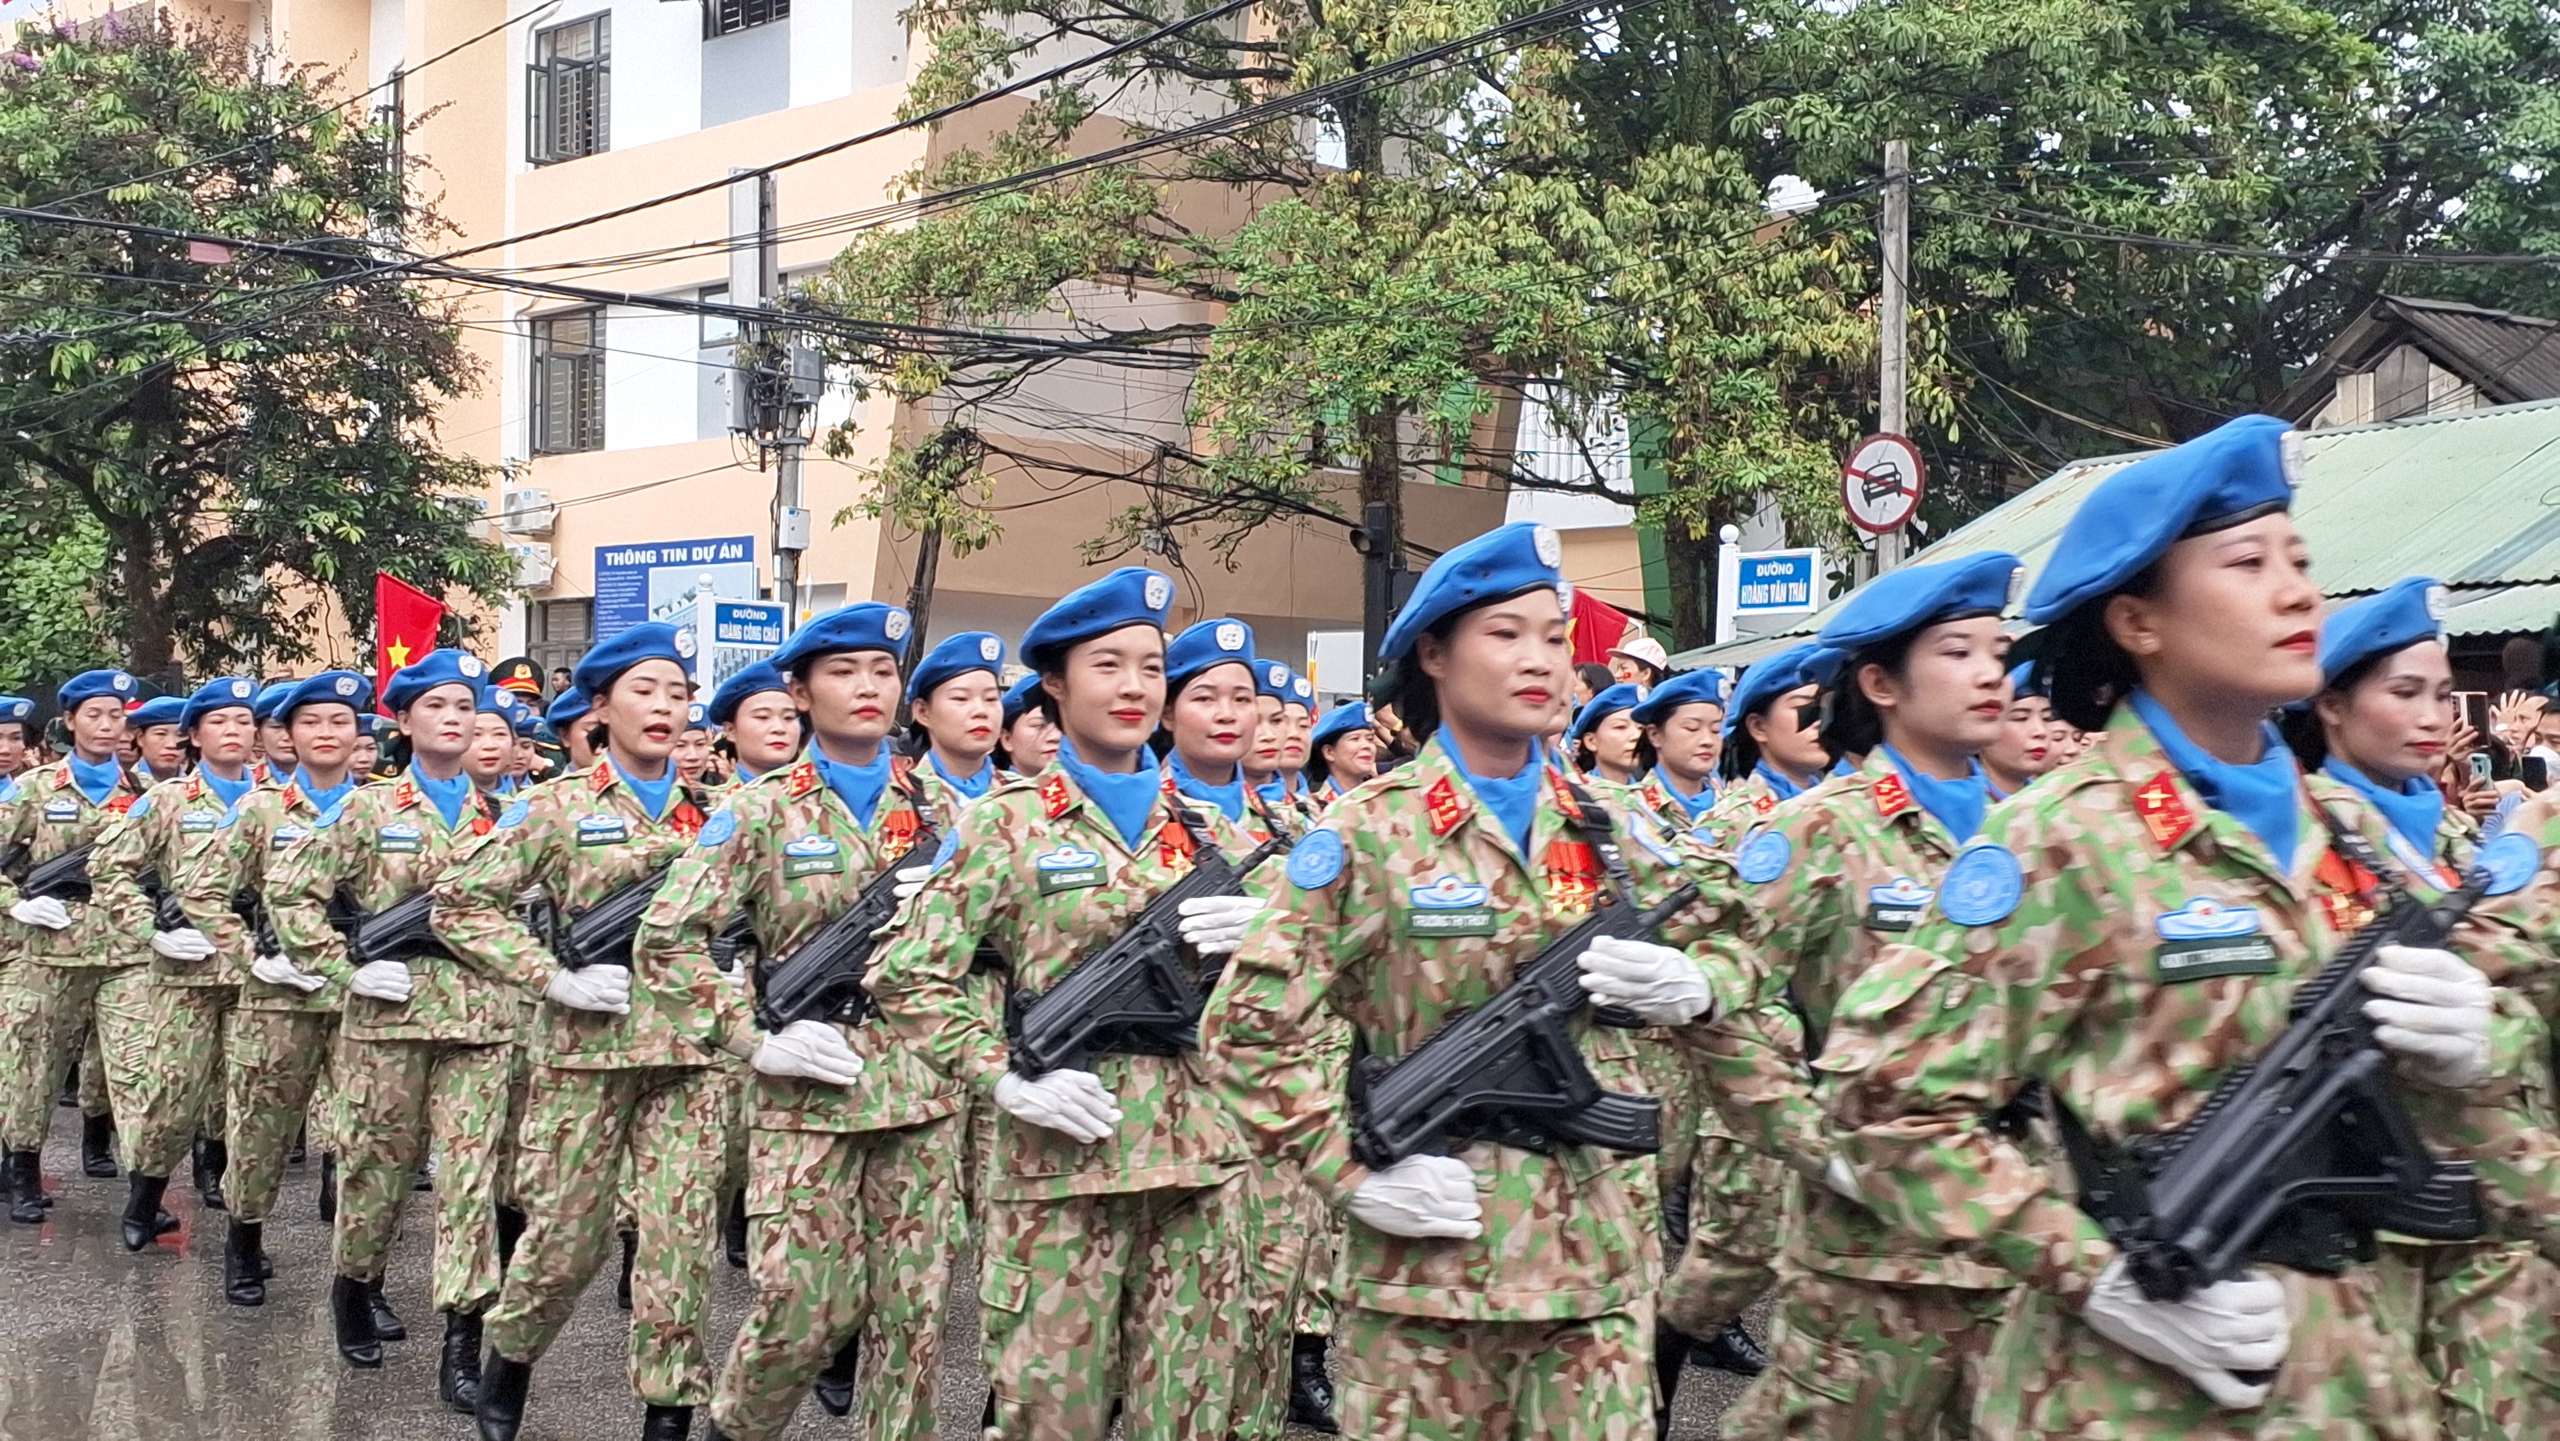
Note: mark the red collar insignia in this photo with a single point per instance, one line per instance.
(1564, 793)
(1764, 803)
(405, 794)
(1054, 795)
(1893, 796)
(804, 778)
(292, 794)
(195, 786)
(1445, 809)
(602, 775)
(2164, 812)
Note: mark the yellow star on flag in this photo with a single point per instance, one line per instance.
(398, 650)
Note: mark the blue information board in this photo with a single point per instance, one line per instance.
(653, 581)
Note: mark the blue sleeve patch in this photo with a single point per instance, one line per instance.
(1983, 886)
(138, 809)
(715, 831)
(1764, 856)
(515, 815)
(1316, 860)
(950, 847)
(8, 789)
(2510, 860)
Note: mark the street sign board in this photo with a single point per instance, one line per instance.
(730, 635)
(1778, 582)
(1881, 483)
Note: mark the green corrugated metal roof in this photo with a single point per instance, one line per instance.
(2472, 498)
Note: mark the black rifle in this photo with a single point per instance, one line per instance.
(2297, 1157)
(1510, 1070)
(1134, 997)
(736, 937)
(601, 935)
(64, 878)
(823, 978)
(402, 931)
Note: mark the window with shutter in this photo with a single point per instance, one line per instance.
(569, 91)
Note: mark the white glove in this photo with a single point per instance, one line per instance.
(2236, 1325)
(1842, 1181)
(183, 944)
(382, 981)
(910, 880)
(810, 1050)
(1420, 1196)
(597, 988)
(1660, 984)
(2435, 1015)
(277, 971)
(1214, 925)
(1070, 1101)
(42, 911)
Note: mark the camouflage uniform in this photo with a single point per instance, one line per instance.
(986, 986)
(90, 974)
(170, 830)
(602, 1086)
(2074, 985)
(853, 1192)
(434, 1066)
(1120, 1266)
(1543, 1326)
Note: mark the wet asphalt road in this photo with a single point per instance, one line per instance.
(98, 1345)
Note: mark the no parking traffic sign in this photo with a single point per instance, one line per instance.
(1881, 484)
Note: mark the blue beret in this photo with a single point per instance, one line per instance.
(1131, 595)
(221, 693)
(1211, 643)
(597, 670)
(160, 710)
(1271, 678)
(1809, 664)
(1337, 720)
(521, 716)
(382, 727)
(955, 657)
(566, 707)
(89, 685)
(750, 680)
(16, 710)
(1302, 692)
(447, 666)
(2402, 615)
(271, 699)
(1506, 561)
(329, 687)
(1021, 697)
(1689, 687)
(2031, 679)
(2235, 473)
(865, 625)
(1622, 696)
(1899, 602)
(697, 716)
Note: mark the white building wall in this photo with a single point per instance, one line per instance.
(385, 49)
(657, 71)
(651, 378)
(822, 48)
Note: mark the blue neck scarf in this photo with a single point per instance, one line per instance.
(1275, 791)
(449, 796)
(97, 781)
(1958, 804)
(323, 801)
(652, 795)
(859, 787)
(507, 785)
(1228, 798)
(229, 791)
(1127, 801)
(2416, 810)
(2264, 797)
(1513, 800)
(1777, 781)
(970, 786)
(1696, 805)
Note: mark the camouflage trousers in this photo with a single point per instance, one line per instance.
(1283, 1244)
(2349, 1376)
(1142, 1288)
(90, 1090)
(1323, 1226)
(52, 1009)
(2484, 1318)
(271, 1071)
(179, 1094)
(1419, 1378)
(1853, 1360)
(1737, 1212)
(852, 1235)
(578, 1127)
(393, 1097)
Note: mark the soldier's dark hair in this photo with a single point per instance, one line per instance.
(2301, 726)
(2090, 672)
(1851, 724)
(1742, 751)
(1586, 760)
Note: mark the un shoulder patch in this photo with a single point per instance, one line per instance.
(1316, 860)
(717, 830)
(1763, 856)
(1983, 886)
(2510, 860)
(139, 809)
(515, 815)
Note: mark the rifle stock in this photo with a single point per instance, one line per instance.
(601, 935)
(823, 978)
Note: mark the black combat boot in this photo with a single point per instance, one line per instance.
(1671, 1347)
(213, 1157)
(1732, 1350)
(27, 1200)
(144, 1221)
(244, 1253)
(733, 1234)
(510, 1231)
(630, 1253)
(458, 1376)
(386, 1322)
(834, 1386)
(97, 1147)
(667, 1423)
(329, 1187)
(351, 1307)
(500, 1408)
(1310, 1389)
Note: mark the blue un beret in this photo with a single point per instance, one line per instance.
(1131, 595)
(1211, 643)
(565, 709)
(697, 716)
(16, 710)
(602, 665)
(2031, 679)
(271, 699)
(1020, 697)
(750, 680)
(1625, 695)
(161, 710)
(955, 657)
(447, 666)
(1809, 664)
(1899, 602)
(329, 687)
(1506, 561)
(2402, 615)
(864, 625)
(1271, 678)
(1335, 721)
(1689, 687)
(521, 716)
(88, 685)
(2236, 473)
(221, 693)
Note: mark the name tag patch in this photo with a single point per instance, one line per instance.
(198, 822)
(811, 856)
(2206, 938)
(399, 840)
(1068, 868)
(603, 830)
(1897, 907)
(61, 813)
(285, 836)
(1449, 907)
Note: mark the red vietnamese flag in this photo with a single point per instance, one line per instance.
(404, 626)
(1595, 626)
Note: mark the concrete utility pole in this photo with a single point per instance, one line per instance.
(1894, 305)
(776, 382)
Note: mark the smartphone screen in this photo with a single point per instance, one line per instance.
(2480, 767)
(2537, 773)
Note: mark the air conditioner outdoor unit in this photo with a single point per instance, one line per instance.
(527, 512)
(534, 566)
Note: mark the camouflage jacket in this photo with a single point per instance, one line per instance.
(174, 829)
(1409, 905)
(579, 838)
(790, 852)
(386, 842)
(1042, 874)
(51, 816)
(247, 843)
(2153, 944)
(1741, 805)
